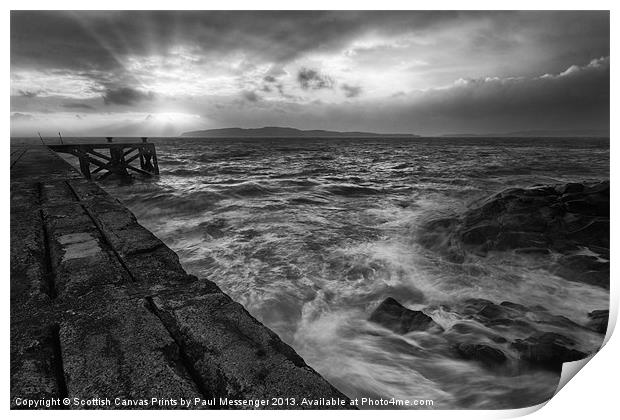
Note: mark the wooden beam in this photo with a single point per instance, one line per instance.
(129, 151)
(118, 162)
(131, 159)
(101, 155)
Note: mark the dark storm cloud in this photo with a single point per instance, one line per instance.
(93, 39)
(88, 52)
(89, 40)
(576, 98)
(250, 96)
(312, 79)
(28, 93)
(18, 116)
(77, 105)
(125, 96)
(271, 83)
(56, 39)
(580, 94)
(351, 91)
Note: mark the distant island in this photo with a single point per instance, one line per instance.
(537, 133)
(285, 132)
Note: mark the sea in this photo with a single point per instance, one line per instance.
(310, 235)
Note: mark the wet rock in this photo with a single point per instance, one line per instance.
(488, 310)
(514, 306)
(470, 330)
(401, 320)
(548, 350)
(487, 355)
(562, 219)
(584, 269)
(489, 313)
(598, 321)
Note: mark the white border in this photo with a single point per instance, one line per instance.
(591, 395)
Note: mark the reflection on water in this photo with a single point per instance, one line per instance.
(310, 235)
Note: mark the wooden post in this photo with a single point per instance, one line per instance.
(148, 157)
(140, 152)
(155, 164)
(84, 163)
(117, 161)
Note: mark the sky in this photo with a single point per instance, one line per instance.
(140, 73)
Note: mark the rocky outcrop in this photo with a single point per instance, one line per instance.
(489, 333)
(394, 316)
(487, 355)
(598, 321)
(548, 349)
(571, 220)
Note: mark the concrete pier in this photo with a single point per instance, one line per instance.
(101, 308)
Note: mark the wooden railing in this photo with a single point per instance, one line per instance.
(112, 158)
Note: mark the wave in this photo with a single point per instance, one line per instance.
(348, 190)
(246, 189)
(312, 246)
(184, 172)
(224, 156)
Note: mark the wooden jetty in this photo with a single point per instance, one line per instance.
(112, 158)
(101, 308)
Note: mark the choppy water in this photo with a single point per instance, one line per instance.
(310, 235)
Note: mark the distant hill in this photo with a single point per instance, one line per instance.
(538, 133)
(284, 132)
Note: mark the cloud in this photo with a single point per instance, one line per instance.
(29, 94)
(77, 105)
(126, 96)
(312, 79)
(250, 96)
(18, 116)
(88, 39)
(351, 91)
(271, 83)
(575, 101)
(514, 69)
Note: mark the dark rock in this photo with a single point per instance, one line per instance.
(533, 250)
(570, 188)
(487, 355)
(480, 234)
(548, 349)
(584, 269)
(491, 313)
(401, 320)
(590, 233)
(472, 330)
(598, 321)
(543, 220)
(515, 240)
(515, 306)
